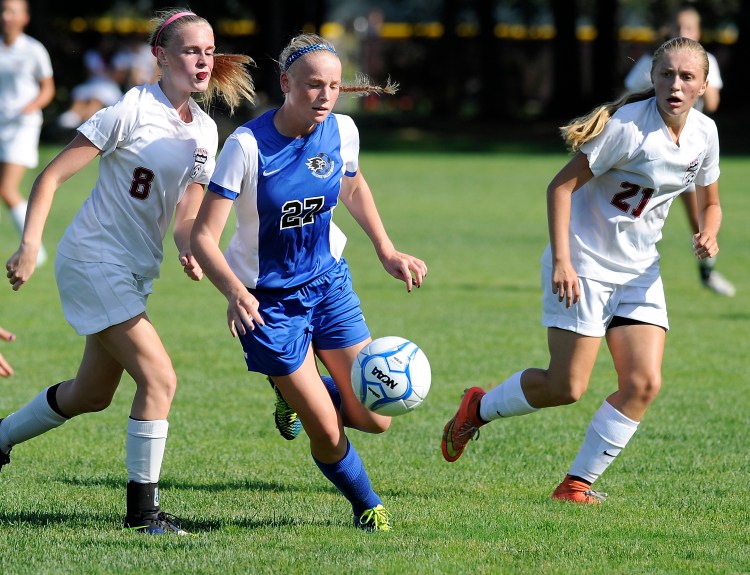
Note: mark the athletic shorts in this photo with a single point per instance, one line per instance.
(600, 302)
(96, 295)
(19, 143)
(325, 313)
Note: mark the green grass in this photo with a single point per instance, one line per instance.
(257, 504)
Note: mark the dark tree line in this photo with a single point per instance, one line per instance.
(458, 68)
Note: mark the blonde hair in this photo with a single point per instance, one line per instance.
(230, 79)
(584, 128)
(306, 43)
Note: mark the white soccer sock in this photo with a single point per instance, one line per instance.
(607, 435)
(34, 418)
(144, 449)
(18, 215)
(505, 400)
(707, 263)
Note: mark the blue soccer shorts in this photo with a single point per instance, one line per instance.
(325, 313)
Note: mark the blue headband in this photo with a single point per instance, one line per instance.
(307, 49)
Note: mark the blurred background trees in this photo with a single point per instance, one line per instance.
(462, 62)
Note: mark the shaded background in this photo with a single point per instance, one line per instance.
(492, 69)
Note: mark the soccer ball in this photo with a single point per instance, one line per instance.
(391, 376)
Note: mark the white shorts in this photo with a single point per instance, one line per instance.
(98, 295)
(19, 143)
(600, 302)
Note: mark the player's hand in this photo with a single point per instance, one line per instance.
(565, 284)
(190, 266)
(705, 245)
(243, 313)
(21, 266)
(410, 270)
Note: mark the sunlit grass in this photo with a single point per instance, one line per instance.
(257, 504)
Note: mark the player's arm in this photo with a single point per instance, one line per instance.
(68, 162)
(711, 99)
(46, 93)
(242, 309)
(705, 242)
(559, 194)
(184, 218)
(357, 197)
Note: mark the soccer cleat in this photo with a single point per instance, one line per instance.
(577, 491)
(375, 519)
(4, 457)
(463, 426)
(717, 283)
(285, 417)
(157, 523)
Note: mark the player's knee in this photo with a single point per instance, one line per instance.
(324, 438)
(642, 386)
(164, 384)
(379, 425)
(94, 403)
(565, 391)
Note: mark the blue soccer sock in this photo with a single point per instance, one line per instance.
(349, 477)
(333, 391)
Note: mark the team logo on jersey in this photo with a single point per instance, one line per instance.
(321, 165)
(692, 172)
(201, 157)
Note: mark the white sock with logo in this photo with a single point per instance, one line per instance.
(144, 449)
(34, 418)
(505, 400)
(606, 436)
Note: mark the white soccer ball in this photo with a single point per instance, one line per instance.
(391, 376)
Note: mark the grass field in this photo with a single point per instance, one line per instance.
(257, 504)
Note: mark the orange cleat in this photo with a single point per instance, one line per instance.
(463, 426)
(578, 492)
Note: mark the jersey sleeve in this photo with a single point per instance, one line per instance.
(709, 170)
(714, 74)
(110, 126)
(610, 147)
(43, 63)
(237, 165)
(349, 144)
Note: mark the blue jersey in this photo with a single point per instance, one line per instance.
(285, 191)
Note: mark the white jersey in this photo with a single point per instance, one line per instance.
(617, 217)
(639, 77)
(23, 65)
(149, 156)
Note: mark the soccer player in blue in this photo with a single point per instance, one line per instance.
(288, 288)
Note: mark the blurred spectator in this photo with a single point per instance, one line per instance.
(26, 86)
(686, 22)
(99, 90)
(134, 64)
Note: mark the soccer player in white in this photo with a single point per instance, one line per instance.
(288, 288)
(606, 210)
(156, 150)
(686, 22)
(26, 87)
